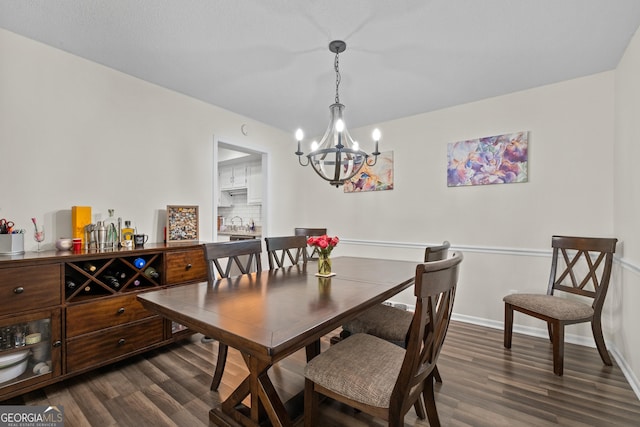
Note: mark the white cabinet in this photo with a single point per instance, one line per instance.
(232, 176)
(254, 184)
(224, 199)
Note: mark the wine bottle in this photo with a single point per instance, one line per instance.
(89, 267)
(139, 263)
(136, 282)
(70, 284)
(111, 281)
(118, 274)
(151, 273)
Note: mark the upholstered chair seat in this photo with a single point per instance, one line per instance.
(347, 369)
(551, 306)
(383, 321)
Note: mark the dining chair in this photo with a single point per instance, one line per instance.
(580, 266)
(308, 232)
(285, 251)
(222, 258)
(380, 378)
(388, 322)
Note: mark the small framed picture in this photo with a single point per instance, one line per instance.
(182, 223)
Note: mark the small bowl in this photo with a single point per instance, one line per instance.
(64, 244)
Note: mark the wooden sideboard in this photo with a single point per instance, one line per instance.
(53, 329)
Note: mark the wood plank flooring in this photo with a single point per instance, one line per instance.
(484, 385)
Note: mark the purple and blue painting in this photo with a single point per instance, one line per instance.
(499, 159)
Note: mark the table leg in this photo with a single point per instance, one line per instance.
(313, 350)
(264, 399)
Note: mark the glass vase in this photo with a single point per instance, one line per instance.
(324, 264)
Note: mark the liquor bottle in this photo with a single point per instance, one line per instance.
(112, 237)
(127, 231)
(152, 273)
(139, 263)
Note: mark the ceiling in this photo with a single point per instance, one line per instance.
(269, 59)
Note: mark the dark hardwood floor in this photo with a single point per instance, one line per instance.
(484, 385)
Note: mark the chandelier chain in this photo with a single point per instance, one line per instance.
(336, 66)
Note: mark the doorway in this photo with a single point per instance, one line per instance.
(242, 198)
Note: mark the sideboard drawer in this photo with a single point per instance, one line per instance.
(98, 348)
(94, 316)
(185, 266)
(26, 288)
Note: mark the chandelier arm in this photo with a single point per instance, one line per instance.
(338, 166)
(300, 160)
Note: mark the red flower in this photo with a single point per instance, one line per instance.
(324, 243)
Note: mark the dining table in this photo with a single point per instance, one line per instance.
(272, 314)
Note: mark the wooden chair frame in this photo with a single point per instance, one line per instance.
(232, 251)
(435, 286)
(308, 232)
(586, 249)
(214, 252)
(280, 250)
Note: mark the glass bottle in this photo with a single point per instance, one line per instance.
(151, 273)
(111, 225)
(127, 231)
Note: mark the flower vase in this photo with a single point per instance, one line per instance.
(324, 264)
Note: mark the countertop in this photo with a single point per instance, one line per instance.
(257, 233)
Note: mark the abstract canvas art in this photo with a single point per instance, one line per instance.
(499, 159)
(373, 178)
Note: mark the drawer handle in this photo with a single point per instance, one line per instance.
(57, 343)
(188, 267)
(18, 290)
(121, 341)
(121, 310)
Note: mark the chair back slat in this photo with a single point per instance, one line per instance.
(435, 286)
(582, 266)
(437, 253)
(224, 259)
(308, 232)
(285, 251)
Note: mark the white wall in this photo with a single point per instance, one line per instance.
(627, 204)
(73, 132)
(570, 128)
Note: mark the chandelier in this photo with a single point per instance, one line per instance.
(337, 157)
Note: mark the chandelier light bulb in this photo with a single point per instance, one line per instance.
(314, 145)
(376, 134)
(299, 135)
(356, 146)
(339, 125)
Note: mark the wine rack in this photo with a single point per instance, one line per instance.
(103, 277)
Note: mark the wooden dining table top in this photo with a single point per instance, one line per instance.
(273, 313)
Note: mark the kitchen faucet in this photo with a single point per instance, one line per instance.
(235, 218)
